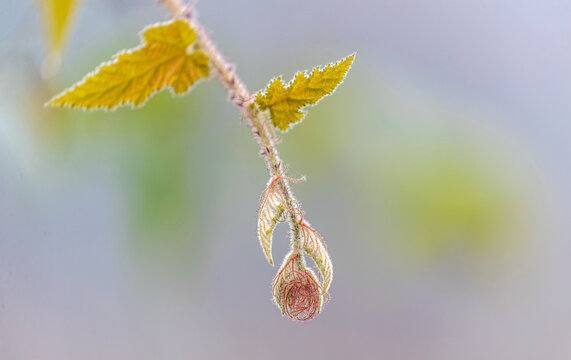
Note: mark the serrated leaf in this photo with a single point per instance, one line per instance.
(271, 210)
(286, 102)
(166, 59)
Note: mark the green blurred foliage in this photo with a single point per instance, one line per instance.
(444, 188)
(443, 196)
(154, 150)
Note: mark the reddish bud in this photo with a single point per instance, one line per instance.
(296, 289)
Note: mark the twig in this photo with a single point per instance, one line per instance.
(255, 119)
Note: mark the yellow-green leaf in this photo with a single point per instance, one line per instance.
(166, 59)
(286, 103)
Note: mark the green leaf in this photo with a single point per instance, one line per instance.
(286, 103)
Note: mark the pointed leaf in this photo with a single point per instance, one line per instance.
(286, 103)
(166, 59)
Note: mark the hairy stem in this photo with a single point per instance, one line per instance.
(255, 119)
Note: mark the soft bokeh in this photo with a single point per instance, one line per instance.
(438, 174)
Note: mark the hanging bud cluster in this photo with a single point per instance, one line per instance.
(296, 289)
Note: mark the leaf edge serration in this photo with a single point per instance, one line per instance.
(262, 94)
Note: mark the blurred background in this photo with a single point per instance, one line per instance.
(438, 174)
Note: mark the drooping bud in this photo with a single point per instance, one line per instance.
(296, 289)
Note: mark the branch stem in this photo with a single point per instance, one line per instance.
(256, 120)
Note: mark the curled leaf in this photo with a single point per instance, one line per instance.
(315, 247)
(166, 59)
(271, 211)
(286, 102)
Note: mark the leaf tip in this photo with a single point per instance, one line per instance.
(57, 101)
(351, 59)
(51, 103)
